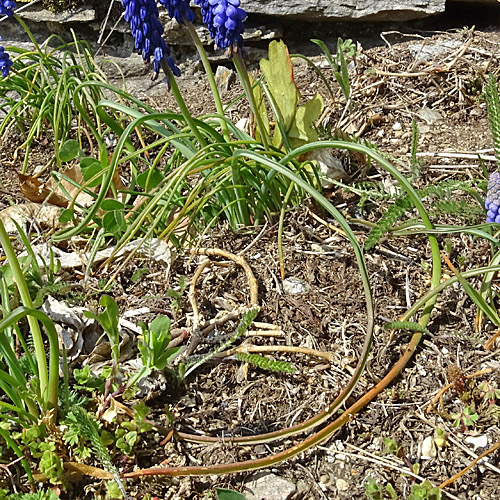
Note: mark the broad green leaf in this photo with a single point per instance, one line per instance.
(149, 179)
(111, 204)
(161, 326)
(303, 130)
(109, 317)
(69, 150)
(114, 222)
(261, 106)
(66, 215)
(90, 168)
(225, 494)
(278, 70)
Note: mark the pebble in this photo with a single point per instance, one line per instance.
(294, 286)
(342, 484)
(428, 448)
(269, 487)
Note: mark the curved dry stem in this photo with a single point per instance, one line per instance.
(237, 259)
(252, 283)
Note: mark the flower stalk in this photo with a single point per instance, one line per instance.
(210, 75)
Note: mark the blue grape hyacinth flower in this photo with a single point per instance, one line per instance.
(147, 30)
(178, 10)
(7, 7)
(493, 198)
(224, 20)
(5, 62)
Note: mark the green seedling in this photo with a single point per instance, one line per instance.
(128, 433)
(376, 491)
(424, 491)
(153, 348)
(467, 418)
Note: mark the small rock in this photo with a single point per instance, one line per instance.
(477, 441)
(224, 77)
(428, 448)
(294, 286)
(426, 52)
(264, 486)
(397, 126)
(429, 115)
(342, 484)
(423, 129)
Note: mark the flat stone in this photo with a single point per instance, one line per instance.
(432, 51)
(38, 14)
(293, 286)
(265, 486)
(381, 10)
(429, 115)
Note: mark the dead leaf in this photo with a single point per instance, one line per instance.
(39, 192)
(46, 216)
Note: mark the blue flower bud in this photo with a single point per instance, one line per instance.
(493, 198)
(178, 10)
(6, 7)
(224, 20)
(5, 62)
(147, 30)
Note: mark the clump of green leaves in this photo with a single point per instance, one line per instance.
(466, 418)
(345, 49)
(376, 491)
(247, 317)
(493, 103)
(39, 495)
(83, 426)
(42, 447)
(438, 196)
(154, 350)
(128, 432)
(424, 491)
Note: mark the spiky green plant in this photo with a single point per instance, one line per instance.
(265, 363)
(493, 104)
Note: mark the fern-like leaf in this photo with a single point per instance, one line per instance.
(406, 325)
(394, 213)
(265, 363)
(89, 428)
(493, 103)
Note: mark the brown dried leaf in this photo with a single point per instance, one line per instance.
(47, 216)
(39, 192)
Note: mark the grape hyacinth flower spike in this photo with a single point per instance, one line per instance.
(178, 10)
(493, 198)
(5, 62)
(7, 7)
(224, 20)
(147, 30)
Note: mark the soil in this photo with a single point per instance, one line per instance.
(391, 88)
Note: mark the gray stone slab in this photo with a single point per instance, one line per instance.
(40, 15)
(367, 10)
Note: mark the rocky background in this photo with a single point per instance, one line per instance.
(296, 21)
